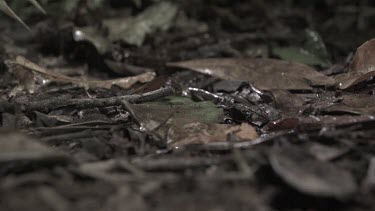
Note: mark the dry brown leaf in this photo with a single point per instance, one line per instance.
(124, 83)
(265, 74)
(361, 68)
(202, 133)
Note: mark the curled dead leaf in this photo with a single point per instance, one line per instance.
(361, 68)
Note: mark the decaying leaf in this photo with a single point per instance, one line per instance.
(265, 74)
(303, 172)
(124, 83)
(159, 116)
(362, 67)
(201, 133)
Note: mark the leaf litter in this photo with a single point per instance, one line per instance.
(184, 105)
(265, 74)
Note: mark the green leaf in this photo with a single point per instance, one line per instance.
(299, 55)
(312, 52)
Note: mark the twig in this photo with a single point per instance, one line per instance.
(58, 103)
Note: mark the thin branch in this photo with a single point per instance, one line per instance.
(58, 103)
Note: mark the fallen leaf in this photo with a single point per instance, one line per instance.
(265, 74)
(160, 115)
(361, 68)
(124, 83)
(201, 133)
(303, 172)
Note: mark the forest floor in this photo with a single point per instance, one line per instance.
(188, 105)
